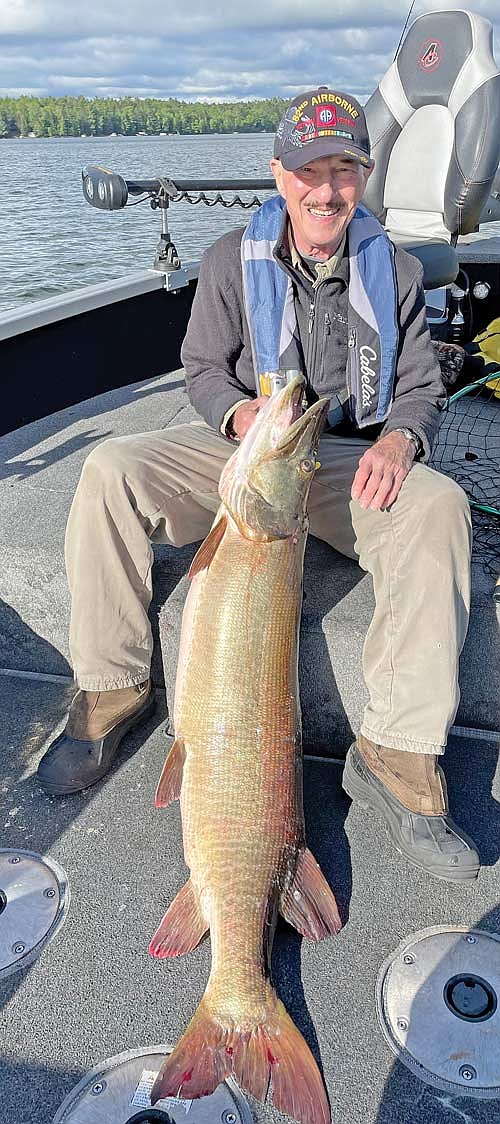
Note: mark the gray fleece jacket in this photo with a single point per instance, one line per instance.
(217, 354)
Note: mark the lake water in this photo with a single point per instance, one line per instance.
(52, 241)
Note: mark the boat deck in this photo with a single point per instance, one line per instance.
(94, 992)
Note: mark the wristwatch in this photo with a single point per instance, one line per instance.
(411, 437)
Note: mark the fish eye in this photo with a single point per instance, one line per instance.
(307, 466)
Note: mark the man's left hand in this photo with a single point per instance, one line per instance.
(382, 470)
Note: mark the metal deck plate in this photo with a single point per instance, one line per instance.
(117, 1091)
(34, 900)
(437, 1002)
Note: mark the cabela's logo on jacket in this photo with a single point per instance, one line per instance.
(368, 376)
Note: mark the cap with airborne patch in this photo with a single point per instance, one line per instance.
(322, 122)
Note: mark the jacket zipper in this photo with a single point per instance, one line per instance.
(310, 323)
(351, 370)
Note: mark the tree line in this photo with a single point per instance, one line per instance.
(77, 116)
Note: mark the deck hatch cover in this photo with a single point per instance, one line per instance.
(116, 1090)
(34, 900)
(437, 1003)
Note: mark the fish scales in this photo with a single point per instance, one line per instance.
(239, 799)
(236, 766)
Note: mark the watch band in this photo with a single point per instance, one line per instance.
(411, 437)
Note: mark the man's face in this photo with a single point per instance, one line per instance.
(321, 198)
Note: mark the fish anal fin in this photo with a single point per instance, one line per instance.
(183, 926)
(169, 784)
(308, 902)
(208, 548)
(272, 1051)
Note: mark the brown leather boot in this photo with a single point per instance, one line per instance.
(86, 749)
(409, 791)
(93, 714)
(416, 779)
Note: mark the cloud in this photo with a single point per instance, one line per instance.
(40, 17)
(198, 51)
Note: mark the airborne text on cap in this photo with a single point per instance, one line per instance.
(342, 102)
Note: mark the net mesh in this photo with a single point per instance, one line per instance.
(467, 448)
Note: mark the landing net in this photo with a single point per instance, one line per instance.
(468, 449)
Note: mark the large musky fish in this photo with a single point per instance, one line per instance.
(236, 765)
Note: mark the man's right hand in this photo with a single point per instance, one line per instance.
(245, 415)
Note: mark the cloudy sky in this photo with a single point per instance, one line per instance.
(204, 49)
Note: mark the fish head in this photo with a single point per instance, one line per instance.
(265, 484)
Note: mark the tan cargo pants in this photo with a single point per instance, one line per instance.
(162, 486)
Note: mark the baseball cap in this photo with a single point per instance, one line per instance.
(322, 122)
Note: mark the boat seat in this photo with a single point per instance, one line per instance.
(434, 125)
(439, 259)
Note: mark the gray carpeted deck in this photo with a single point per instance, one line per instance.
(95, 992)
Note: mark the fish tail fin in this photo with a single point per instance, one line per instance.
(270, 1052)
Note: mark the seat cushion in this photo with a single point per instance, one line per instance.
(439, 259)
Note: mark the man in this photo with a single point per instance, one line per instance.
(312, 283)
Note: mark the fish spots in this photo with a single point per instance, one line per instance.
(229, 1051)
(186, 1076)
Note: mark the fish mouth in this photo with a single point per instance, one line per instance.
(296, 390)
(282, 417)
(291, 423)
(304, 427)
(281, 431)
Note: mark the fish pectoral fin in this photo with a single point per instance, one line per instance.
(208, 548)
(308, 902)
(169, 784)
(183, 926)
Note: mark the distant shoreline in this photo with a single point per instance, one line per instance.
(29, 118)
(134, 136)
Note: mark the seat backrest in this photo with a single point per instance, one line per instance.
(434, 125)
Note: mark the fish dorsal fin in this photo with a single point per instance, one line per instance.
(208, 548)
(308, 903)
(182, 927)
(169, 784)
